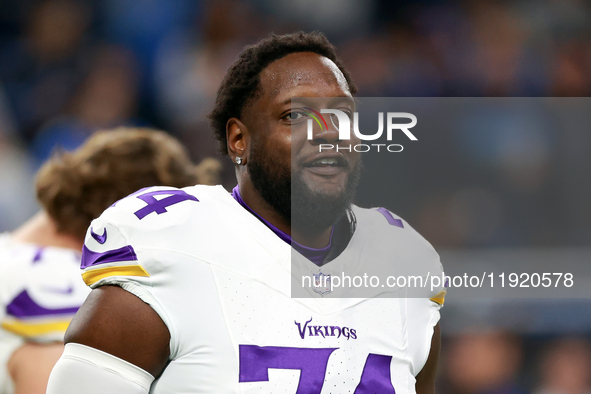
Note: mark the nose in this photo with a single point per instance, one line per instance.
(327, 134)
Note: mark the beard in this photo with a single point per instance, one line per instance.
(293, 199)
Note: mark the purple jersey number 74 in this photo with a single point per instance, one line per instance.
(159, 206)
(255, 362)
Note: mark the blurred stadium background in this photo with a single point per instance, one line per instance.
(68, 68)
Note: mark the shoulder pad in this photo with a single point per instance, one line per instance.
(155, 217)
(414, 254)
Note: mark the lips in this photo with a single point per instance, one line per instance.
(326, 164)
(326, 160)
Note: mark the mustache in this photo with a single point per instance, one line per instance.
(342, 160)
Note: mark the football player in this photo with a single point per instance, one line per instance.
(191, 287)
(40, 284)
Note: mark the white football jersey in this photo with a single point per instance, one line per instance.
(40, 291)
(221, 281)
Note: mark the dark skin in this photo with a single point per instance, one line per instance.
(115, 321)
(426, 378)
(267, 122)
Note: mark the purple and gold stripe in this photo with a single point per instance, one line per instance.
(92, 276)
(31, 329)
(90, 258)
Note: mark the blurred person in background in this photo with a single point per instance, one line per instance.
(566, 367)
(107, 98)
(190, 65)
(483, 363)
(40, 283)
(17, 201)
(43, 66)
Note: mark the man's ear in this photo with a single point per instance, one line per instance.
(238, 140)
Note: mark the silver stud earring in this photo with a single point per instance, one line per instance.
(239, 160)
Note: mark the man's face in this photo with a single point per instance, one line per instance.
(308, 187)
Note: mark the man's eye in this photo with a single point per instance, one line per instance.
(348, 112)
(295, 115)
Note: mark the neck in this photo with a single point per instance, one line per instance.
(256, 203)
(41, 230)
(311, 239)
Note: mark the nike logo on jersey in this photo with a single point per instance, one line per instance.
(101, 239)
(325, 331)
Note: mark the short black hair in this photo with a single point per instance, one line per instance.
(242, 81)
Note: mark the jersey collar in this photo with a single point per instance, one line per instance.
(317, 256)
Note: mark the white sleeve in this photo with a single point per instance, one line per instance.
(422, 316)
(83, 369)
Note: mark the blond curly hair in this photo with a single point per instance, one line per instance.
(76, 187)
